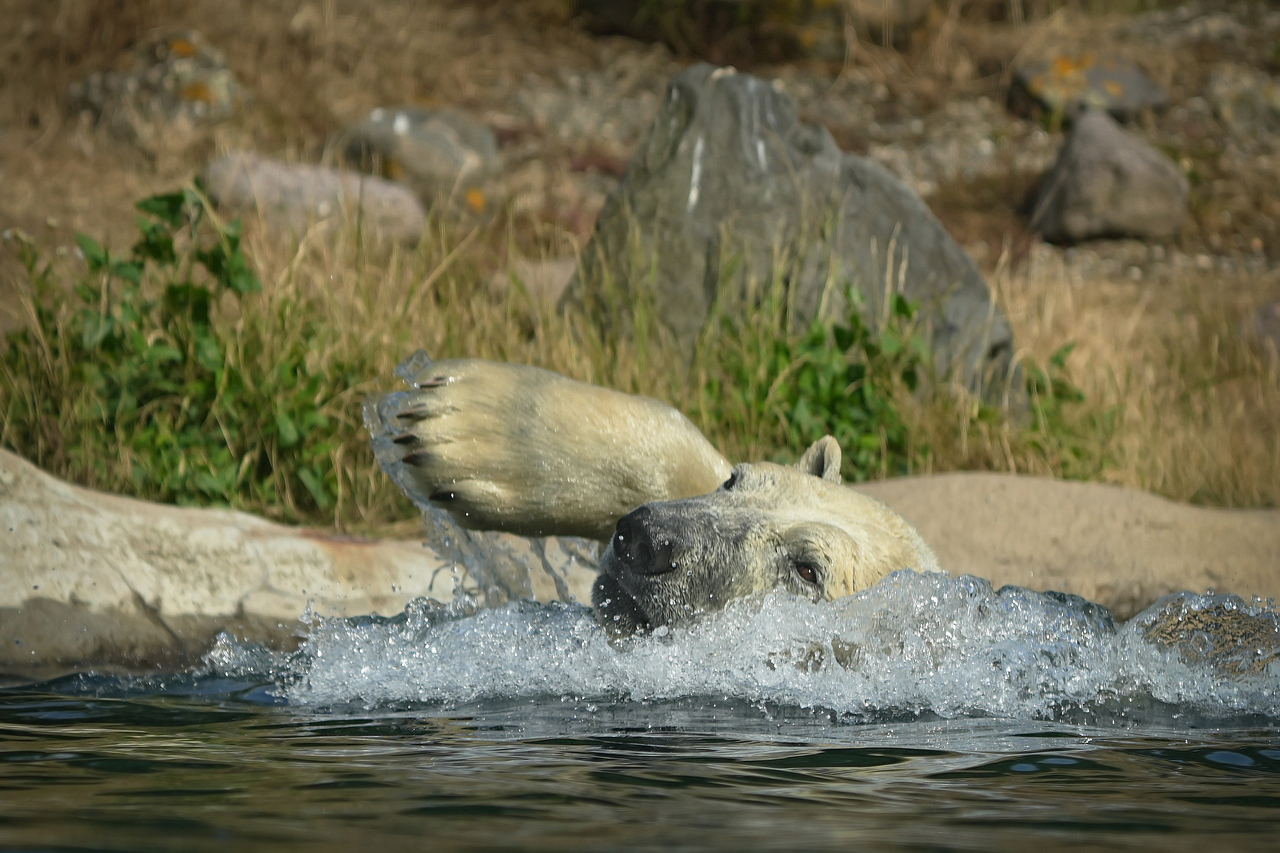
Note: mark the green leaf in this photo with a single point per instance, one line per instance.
(209, 353)
(192, 301)
(159, 354)
(286, 430)
(316, 487)
(87, 293)
(902, 307)
(95, 328)
(94, 255)
(210, 485)
(127, 271)
(1059, 357)
(168, 207)
(156, 244)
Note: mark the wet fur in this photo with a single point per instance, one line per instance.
(527, 451)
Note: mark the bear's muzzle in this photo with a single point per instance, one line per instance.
(642, 545)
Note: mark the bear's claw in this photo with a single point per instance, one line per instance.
(418, 458)
(414, 414)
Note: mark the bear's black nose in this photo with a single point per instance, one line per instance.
(641, 545)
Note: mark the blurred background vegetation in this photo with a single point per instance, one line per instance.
(176, 356)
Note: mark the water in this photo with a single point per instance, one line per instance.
(213, 765)
(926, 713)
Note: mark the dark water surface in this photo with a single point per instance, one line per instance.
(211, 764)
(927, 713)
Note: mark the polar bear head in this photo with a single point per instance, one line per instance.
(767, 526)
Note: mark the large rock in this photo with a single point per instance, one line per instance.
(296, 196)
(1120, 547)
(1068, 85)
(1108, 182)
(442, 154)
(91, 579)
(166, 89)
(730, 183)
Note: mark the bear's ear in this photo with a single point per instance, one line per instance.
(822, 459)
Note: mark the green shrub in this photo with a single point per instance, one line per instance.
(1063, 429)
(138, 381)
(842, 379)
(164, 373)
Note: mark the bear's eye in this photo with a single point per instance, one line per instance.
(808, 572)
(731, 482)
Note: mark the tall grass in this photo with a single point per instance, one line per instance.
(251, 398)
(1182, 398)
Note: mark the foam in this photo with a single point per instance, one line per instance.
(914, 644)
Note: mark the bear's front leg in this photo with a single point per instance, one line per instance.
(523, 450)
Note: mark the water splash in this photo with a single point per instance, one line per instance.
(912, 645)
(497, 567)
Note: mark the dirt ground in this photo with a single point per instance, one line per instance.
(313, 67)
(62, 175)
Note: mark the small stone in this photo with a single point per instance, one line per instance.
(1066, 85)
(294, 196)
(442, 154)
(1108, 182)
(165, 90)
(306, 22)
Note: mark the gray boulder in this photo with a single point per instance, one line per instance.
(441, 154)
(731, 189)
(93, 580)
(296, 196)
(1108, 182)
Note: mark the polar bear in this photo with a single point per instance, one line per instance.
(527, 451)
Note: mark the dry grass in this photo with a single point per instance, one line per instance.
(1177, 400)
(1195, 401)
(1180, 399)
(374, 305)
